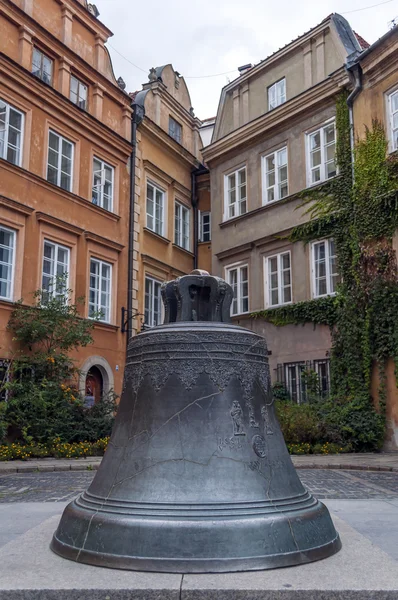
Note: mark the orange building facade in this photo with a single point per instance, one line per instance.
(172, 192)
(65, 146)
(376, 84)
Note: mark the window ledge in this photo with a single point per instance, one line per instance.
(191, 254)
(106, 326)
(9, 304)
(241, 315)
(202, 243)
(269, 205)
(324, 296)
(161, 238)
(34, 178)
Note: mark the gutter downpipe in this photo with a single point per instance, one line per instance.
(136, 118)
(356, 70)
(194, 201)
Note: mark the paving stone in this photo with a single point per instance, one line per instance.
(59, 486)
(360, 571)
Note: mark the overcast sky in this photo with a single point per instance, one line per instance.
(214, 36)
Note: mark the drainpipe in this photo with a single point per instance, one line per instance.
(136, 118)
(194, 201)
(356, 70)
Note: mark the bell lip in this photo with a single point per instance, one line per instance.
(196, 566)
(193, 326)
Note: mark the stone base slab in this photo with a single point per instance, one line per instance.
(360, 571)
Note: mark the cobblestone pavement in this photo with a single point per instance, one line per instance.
(64, 486)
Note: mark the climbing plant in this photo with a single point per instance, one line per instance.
(359, 209)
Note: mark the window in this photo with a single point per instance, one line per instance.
(60, 161)
(100, 290)
(237, 278)
(321, 154)
(204, 226)
(275, 173)
(294, 381)
(55, 266)
(181, 226)
(277, 94)
(78, 92)
(393, 110)
(235, 194)
(278, 279)
(155, 209)
(298, 382)
(102, 192)
(11, 123)
(175, 130)
(7, 262)
(322, 369)
(153, 302)
(324, 268)
(42, 66)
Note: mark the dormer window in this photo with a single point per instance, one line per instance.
(78, 92)
(175, 130)
(277, 94)
(42, 66)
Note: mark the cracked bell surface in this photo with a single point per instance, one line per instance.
(196, 477)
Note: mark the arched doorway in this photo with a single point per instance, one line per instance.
(100, 370)
(94, 386)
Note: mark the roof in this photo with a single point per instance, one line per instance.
(363, 43)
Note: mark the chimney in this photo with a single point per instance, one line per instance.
(245, 68)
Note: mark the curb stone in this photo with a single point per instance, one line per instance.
(7, 468)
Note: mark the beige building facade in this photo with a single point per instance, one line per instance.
(275, 136)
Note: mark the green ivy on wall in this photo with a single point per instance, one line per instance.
(359, 209)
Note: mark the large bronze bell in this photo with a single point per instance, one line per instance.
(196, 477)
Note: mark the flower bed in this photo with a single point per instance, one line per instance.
(57, 449)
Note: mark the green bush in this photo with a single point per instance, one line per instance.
(299, 422)
(355, 423)
(339, 427)
(43, 401)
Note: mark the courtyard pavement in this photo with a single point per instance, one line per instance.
(382, 461)
(363, 503)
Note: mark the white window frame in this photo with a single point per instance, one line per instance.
(81, 101)
(277, 93)
(391, 130)
(149, 313)
(238, 297)
(52, 291)
(180, 224)
(153, 227)
(235, 207)
(61, 141)
(281, 288)
(328, 256)
(96, 305)
(11, 265)
(202, 233)
(100, 187)
(323, 165)
(175, 129)
(42, 73)
(276, 187)
(7, 127)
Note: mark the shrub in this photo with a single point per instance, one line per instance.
(299, 422)
(330, 425)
